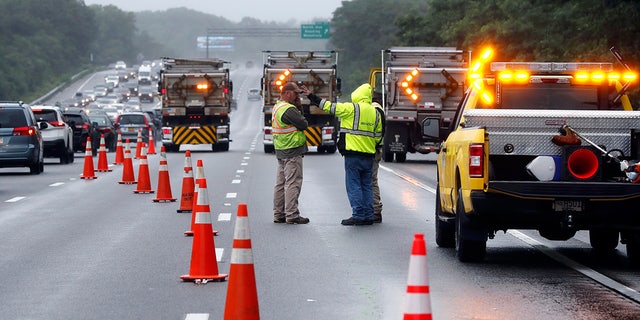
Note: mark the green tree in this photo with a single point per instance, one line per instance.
(360, 29)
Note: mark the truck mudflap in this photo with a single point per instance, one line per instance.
(195, 135)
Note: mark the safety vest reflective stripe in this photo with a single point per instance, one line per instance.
(283, 130)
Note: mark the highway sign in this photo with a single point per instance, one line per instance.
(318, 30)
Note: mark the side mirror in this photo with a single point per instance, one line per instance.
(431, 128)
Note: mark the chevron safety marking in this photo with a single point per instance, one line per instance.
(202, 135)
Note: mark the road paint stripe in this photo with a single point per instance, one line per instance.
(409, 179)
(56, 184)
(239, 171)
(219, 253)
(197, 316)
(244, 164)
(224, 217)
(235, 181)
(232, 195)
(15, 199)
(595, 275)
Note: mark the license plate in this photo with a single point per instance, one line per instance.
(130, 129)
(568, 205)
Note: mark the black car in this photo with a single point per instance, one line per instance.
(21, 143)
(130, 123)
(107, 128)
(82, 127)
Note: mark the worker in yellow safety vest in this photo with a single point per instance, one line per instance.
(360, 132)
(290, 143)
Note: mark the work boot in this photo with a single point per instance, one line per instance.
(356, 222)
(298, 220)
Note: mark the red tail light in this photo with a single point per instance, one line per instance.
(476, 160)
(24, 131)
(166, 131)
(226, 90)
(57, 123)
(267, 130)
(328, 131)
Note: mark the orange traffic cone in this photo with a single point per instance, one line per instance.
(186, 200)
(127, 171)
(242, 295)
(164, 183)
(199, 177)
(119, 150)
(139, 144)
(417, 303)
(88, 171)
(152, 144)
(204, 265)
(103, 165)
(144, 182)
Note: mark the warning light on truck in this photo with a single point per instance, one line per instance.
(406, 84)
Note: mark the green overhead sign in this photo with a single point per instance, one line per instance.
(318, 30)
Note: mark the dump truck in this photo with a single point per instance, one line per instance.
(318, 71)
(415, 85)
(196, 102)
(546, 146)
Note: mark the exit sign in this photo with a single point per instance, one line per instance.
(318, 30)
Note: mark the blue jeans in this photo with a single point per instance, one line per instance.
(358, 180)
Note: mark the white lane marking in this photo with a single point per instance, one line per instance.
(224, 217)
(219, 253)
(15, 199)
(598, 277)
(56, 184)
(239, 171)
(235, 181)
(410, 180)
(244, 164)
(232, 195)
(227, 204)
(197, 316)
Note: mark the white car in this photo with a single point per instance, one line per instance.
(57, 136)
(120, 65)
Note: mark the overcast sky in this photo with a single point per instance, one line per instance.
(235, 10)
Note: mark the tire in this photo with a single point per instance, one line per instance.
(220, 147)
(36, 168)
(332, 149)
(71, 156)
(268, 149)
(387, 157)
(321, 149)
(64, 157)
(604, 240)
(467, 250)
(401, 156)
(633, 248)
(445, 230)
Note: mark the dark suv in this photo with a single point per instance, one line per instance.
(21, 143)
(82, 127)
(130, 123)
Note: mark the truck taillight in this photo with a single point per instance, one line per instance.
(476, 160)
(202, 86)
(267, 130)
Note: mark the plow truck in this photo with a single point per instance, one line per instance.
(416, 85)
(546, 146)
(196, 102)
(318, 71)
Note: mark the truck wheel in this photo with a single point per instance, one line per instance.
(632, 239)
(220, 147)
(321, 149)
(467, 250)
(388, 157)
(268, 149)
(603, 240)
(401, 156)
(445, 230)
(332, 149)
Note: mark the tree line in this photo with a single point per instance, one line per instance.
(44, 41)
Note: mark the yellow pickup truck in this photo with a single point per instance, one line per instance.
(547, 146)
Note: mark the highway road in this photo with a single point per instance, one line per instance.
(93, 249)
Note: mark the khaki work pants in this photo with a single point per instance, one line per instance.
(287, 188)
